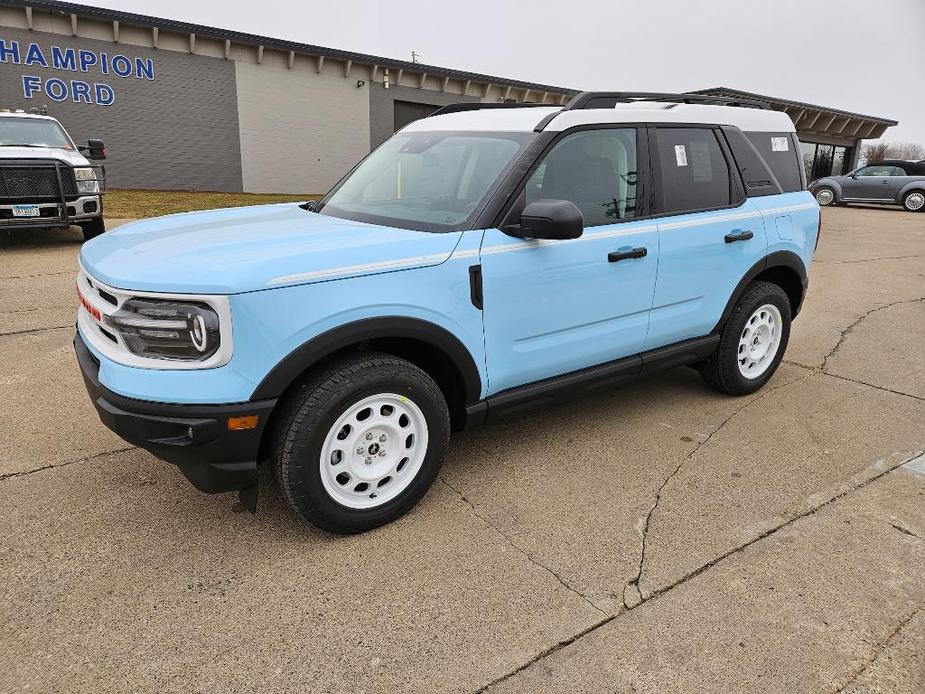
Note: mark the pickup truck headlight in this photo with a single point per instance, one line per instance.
(87, 180)
(164, 329)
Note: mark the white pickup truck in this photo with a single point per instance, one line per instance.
(45, 180)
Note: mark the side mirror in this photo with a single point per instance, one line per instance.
(95, 149)
(549, 219)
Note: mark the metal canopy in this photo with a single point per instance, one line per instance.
(816, 123)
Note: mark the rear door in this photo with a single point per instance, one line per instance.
(710, 235)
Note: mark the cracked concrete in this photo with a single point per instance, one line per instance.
(660, 537)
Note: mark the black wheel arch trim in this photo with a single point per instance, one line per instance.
(787, 259)
(327, 343)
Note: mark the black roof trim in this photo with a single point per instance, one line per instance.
(130, 18)
(586, 100)
(734, 93)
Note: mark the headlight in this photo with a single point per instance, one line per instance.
(164, 329)
(87, 180)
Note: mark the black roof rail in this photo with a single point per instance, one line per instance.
(610, 99)
(478, 106)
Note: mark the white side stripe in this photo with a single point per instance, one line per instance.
(381, 266)
(629, 230)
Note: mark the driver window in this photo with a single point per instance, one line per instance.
(595, 169)
(876, 171)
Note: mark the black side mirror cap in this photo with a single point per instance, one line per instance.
(549, 219)
(96, 149)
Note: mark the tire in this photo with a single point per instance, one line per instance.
(827, 195)
(914, 201)
(324, 449)
(759, 329)
(95, 227)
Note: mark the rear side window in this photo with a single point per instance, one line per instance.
(758, 178)
(693, 171)
(778, 151)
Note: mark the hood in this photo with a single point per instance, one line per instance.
(69, 156)
(251, 248)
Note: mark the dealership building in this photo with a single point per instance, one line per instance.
(188, 107)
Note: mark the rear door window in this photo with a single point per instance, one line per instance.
(694, 174)
(779, 153)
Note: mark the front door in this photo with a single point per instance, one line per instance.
(551, 307)
(869, 183)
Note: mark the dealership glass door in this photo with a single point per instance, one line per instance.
(821, 160)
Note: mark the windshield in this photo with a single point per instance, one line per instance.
(431, 181)
(33, 132)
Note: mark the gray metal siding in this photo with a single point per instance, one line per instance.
(179, 131)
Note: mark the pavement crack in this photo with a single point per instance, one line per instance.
(636, 596)
(847, 331)
(872, 385)
(52, 466)
(878, 649)
(867, 260)
(905, 531)
(654, 595)
(38, 274)
(522, 551)
(35, 330)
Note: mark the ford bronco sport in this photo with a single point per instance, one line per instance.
(45, 181)
(481, 260)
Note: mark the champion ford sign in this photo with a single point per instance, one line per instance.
(96, 65)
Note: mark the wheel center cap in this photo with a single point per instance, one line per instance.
(373, 448)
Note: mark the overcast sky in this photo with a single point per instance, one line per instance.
(855, 55)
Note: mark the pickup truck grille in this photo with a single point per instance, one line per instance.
(36, 183)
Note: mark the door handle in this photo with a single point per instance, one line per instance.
(617, 256)
(739, 236)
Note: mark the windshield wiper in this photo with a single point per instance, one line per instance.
(309, 206)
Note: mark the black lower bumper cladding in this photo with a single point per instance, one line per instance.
(195, 438)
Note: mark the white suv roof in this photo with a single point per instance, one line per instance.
(526, 119)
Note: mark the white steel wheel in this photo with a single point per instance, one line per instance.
(373, 451)
(914, 201)
(759, 341)
(825, 196)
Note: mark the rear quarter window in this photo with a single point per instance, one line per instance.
(779, 153)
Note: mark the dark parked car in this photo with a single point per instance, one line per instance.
(888, 182)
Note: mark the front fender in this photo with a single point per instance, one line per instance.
(831, 183)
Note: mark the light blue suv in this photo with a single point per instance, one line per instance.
(481, 260)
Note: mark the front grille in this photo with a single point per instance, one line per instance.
(36, 183)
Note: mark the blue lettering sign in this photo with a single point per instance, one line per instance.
(63, 59)
(144, 68)
(104, 94)
(121, 65)
(87, 60)
(56, 89)
(11, 51)
(34, 56)
(80, 91)
(72, 60)
(30, 85)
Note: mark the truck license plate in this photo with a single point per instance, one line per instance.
(25, 210)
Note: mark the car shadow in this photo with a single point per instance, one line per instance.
(24, 239)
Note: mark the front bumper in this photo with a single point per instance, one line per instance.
(80, 209)
(195, 438)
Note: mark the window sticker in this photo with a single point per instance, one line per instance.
(779, 144)
(680, 155)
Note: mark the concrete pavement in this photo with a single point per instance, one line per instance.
(660, 537)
